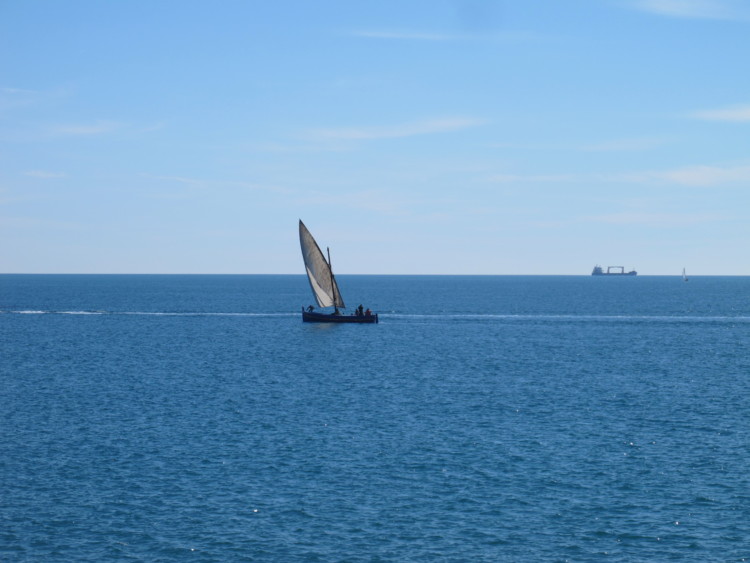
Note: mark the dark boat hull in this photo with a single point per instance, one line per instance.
(618, 271)
(631, 273)
(312, 317)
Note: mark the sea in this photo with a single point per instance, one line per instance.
(196, 418)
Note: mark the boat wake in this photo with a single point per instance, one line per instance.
(149, 313)
(569, 318)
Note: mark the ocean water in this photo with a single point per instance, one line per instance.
(510, 418)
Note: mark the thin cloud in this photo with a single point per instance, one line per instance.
(396, 131)
(49, 131)
(198, 185)
(656, 219)
(736, 114)
(471, 35)
(694, 176)
(624, 145)
(540, 178)
(407, 35)
(706, 175)
(155, 127)
(276, 147)
(98, 128)
(372, 201)
(12, 98)
(694, 9)
(15, 91)
(178, 179)
(614, 145)
(44, 174)
(35, 223)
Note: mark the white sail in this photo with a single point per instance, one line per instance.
(322, 282)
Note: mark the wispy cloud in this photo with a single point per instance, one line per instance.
(535, 178)
(178, 179)
(11, 98)
(694, 176)
(38, 223)
(735, 114)
(295, 147)
(473, 33)
(624, 145)
(97, 128)
(372, 201)
(44, 174)
(612, 145)
(17, 91)
(694, 9)
(153, 127)
(705, 175)
(407, 35)
(657, 219)
(412, 129)
(196, 186)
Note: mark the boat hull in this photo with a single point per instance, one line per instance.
(631, 273)
(312, 317)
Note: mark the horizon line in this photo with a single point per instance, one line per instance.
(347, 274)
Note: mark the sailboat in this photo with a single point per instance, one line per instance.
(324, 286)
(684, 276)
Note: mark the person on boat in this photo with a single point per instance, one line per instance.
(368, 312)
(310, 309)
(359, 310)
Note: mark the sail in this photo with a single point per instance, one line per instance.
(319, 272)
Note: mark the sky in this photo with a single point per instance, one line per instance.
(411, 136)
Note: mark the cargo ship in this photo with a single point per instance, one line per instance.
(612, 271)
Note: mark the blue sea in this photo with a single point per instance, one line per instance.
(509, 418)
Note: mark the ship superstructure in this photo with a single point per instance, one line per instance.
(612, 271)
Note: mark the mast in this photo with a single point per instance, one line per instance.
(333, 283)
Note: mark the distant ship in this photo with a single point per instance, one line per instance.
(612, 271)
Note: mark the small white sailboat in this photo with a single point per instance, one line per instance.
(684, 276)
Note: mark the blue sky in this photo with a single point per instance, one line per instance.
(412, 137)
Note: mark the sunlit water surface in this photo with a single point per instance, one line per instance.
(196, 418)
